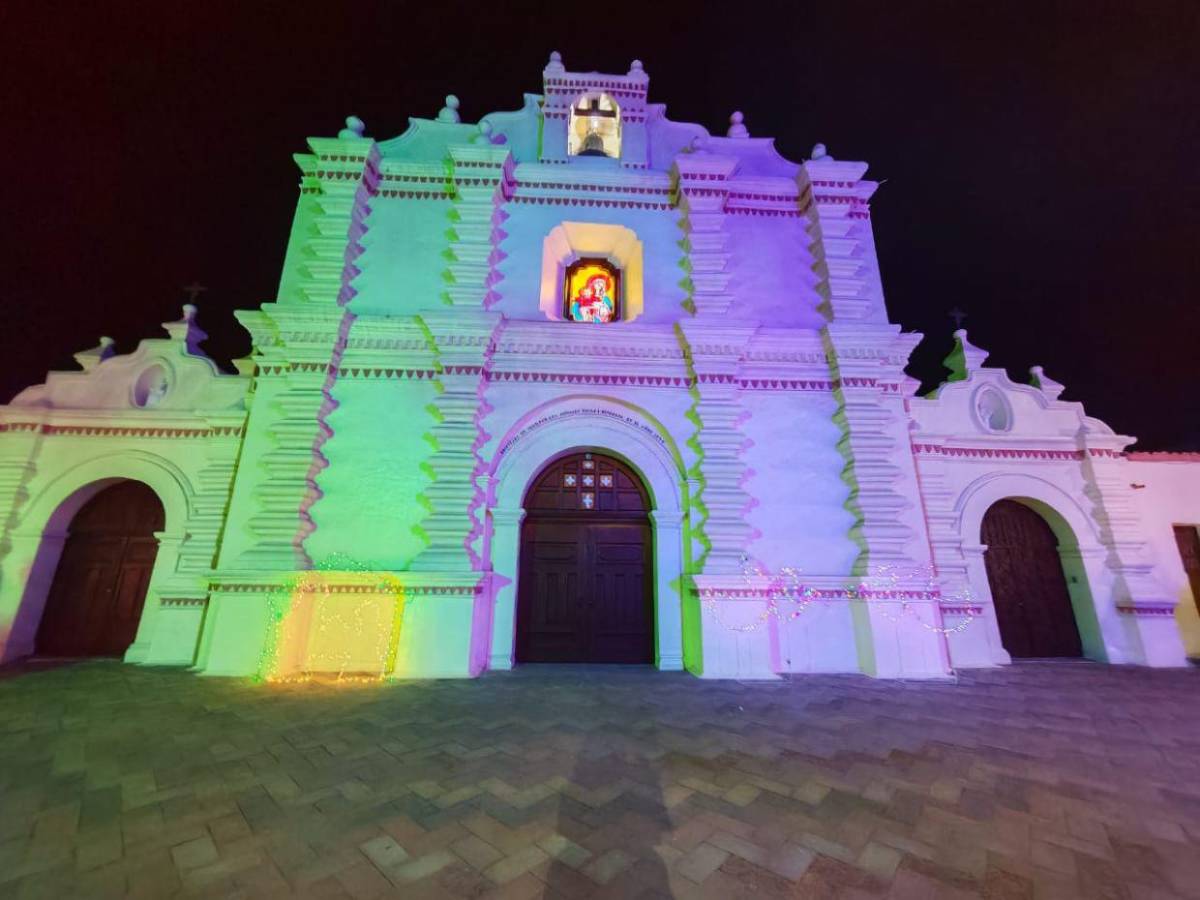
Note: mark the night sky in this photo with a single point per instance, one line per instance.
(1040, 162)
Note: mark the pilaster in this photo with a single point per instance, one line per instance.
(668, 547)
(715, 353)
(482, 179)
(294, 349)
(298, 344)
(506, 542)
(867, 364)
(18, 450)
(197, 553)
(19, 445)
(337, 181)
(463, 343)
(942, 520)
(835, 199)
(702, 191)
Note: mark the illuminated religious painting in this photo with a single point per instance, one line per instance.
(594, 128)
(592, 291)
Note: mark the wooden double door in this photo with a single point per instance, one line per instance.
(95, 600)
(1029, 590)
(585, 589)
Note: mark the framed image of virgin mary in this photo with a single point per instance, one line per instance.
(592, 292)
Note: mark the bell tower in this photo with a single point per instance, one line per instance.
(590, 114)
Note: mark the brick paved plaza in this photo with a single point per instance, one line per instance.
(1041, 780)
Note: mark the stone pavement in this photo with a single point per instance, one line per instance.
(1039, 780)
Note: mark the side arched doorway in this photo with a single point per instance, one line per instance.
(586, 589)
(1028, 586)
(95, 600)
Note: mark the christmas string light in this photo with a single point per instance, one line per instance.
(785, 585)
(891, 585)
(342, 623)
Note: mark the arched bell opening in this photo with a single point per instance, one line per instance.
(594, 126)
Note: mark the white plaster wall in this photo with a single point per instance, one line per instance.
(237, 538)
(784, 292)
(369, 504)
(798, 498)
(1171, 496)
(403, 263)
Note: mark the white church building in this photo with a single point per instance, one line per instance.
(578, 383)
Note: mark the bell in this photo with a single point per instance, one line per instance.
(593, 145)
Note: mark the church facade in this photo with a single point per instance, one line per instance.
(577, 383)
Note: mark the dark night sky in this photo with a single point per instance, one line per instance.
(1040, 161)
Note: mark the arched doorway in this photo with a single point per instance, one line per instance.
(1029, 589)
(95, 600)
(586, 568)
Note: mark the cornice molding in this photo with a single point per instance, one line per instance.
(1044, 454)
(139, 431)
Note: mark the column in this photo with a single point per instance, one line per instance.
(506, 551)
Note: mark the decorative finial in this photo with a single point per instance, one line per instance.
(449, 112)
(354, 129)
(820, 154)
(485, 133)
(186, 331)
(556, 64)
(965, 358)
(736, 128)
(1048, 386)
(88, 359)
(635, 68)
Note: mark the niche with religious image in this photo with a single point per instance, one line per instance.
(592, 292)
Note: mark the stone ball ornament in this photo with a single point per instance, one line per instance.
(355, 127)
(449, 112)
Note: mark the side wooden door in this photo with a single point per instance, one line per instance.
(1187, 538)
(1029, 589)
(95, 600)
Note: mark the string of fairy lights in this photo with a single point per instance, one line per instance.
(898, 595)
(339, 613)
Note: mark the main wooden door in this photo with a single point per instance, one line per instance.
(586, 593)
(1187, 538)
(1029, 589)
(95, 601)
